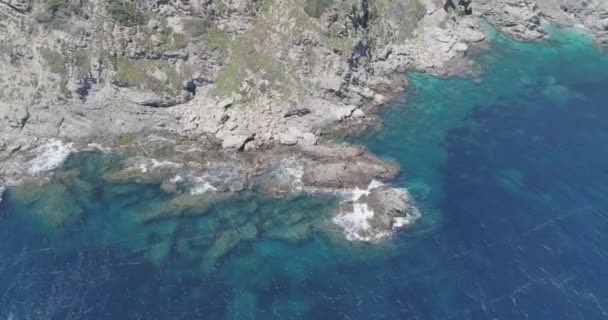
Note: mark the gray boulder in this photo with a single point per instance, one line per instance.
(236, 141)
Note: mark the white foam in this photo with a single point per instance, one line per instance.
(165, 163)
(146, 165)
(356, 224)
(400, 222)
(201, 186)
(357, 193)
(50, 156)
(97, 146)
(176, 179)
(290, 171)
(2, 189)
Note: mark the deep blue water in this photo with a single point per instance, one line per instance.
(510, 171)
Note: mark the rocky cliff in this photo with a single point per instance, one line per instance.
(248, 73)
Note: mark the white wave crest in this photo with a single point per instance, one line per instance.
(289, 172)
(98, 147)
(201, 186)
(357, 193)
(356, 224)
(146, 165)
(2, 189)
(50, 156)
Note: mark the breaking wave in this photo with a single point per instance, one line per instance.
(50, 156)
(357, 224)
(2, 190)
(200, 186)
(146, 165)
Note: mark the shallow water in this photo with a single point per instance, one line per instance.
(509, 171)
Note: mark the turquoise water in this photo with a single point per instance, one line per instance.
(509, 171)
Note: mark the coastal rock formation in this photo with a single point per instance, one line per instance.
(231, 69)
(522, 19)
(374, 215)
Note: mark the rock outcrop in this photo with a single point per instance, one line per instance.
(376, 214)
(279, 72)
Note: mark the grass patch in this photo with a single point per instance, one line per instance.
(316, 8)
(168, 39)
(55, 11)
(63, 88)
(246, 56)
(202, 31)
(125, 12)
(55, 61)
(82, 61)
(179, 41)
(126, 139)
(344, 46)
(144, 74)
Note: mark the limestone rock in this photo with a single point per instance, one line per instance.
(341, 113)
(333, 83)
(343, 174)
(288, 139)
(461, 47)
(236, 141)
(309, 139)
(358, 113)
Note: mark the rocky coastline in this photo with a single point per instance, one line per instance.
(219, 131)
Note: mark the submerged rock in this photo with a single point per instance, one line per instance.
(222, 246)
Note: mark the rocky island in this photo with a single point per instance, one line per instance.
(224, 96)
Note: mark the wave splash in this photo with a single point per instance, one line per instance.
(49, 156)
(375, 213)
(2, 190)
(366, 215)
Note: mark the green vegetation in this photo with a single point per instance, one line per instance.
(443, 24)
(255, 63)
(125, 12)
(57, 62)
(343, 46)
(316, 8)
(54, 60)
(196, 27)
(63, 88)
(213, 37)
(406, 12)
(54, 11)
(216, 39)
(157, 75)
(179, 41)
(82, 61)
(127, 139)
(248, 56)
(167, 39)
